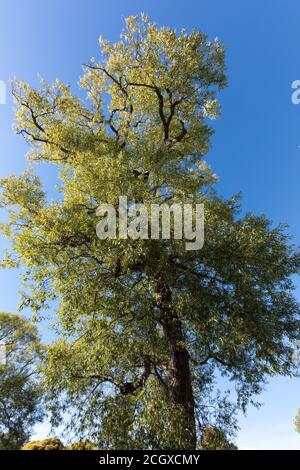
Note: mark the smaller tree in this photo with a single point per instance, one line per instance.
(297, 421)
(20, 393)
(82, 445)
(213, 438)
(53, 443)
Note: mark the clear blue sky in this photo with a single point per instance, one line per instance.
(256, 145)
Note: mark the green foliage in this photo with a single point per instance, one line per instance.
(82, 445)
(128, 309)
(213, 438)
(20, 394)
(52, 443)
(297, 421)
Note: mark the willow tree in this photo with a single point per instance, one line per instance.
(144, 324)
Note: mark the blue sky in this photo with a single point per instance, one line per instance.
(256, 147)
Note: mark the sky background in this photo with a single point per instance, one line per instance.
(256, 146)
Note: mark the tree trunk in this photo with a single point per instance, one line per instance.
(179, 373)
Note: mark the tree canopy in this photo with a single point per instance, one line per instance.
(51, 443)
(144, 325)
(54, 443)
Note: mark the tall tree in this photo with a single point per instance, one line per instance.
(20, 394)
(145, 324)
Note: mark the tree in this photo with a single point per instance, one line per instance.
(144, 324)
(213, 438)
(82, 445)
(20, 394)
(297, 421)
(54, 443)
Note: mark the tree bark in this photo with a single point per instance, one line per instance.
(179, 374)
